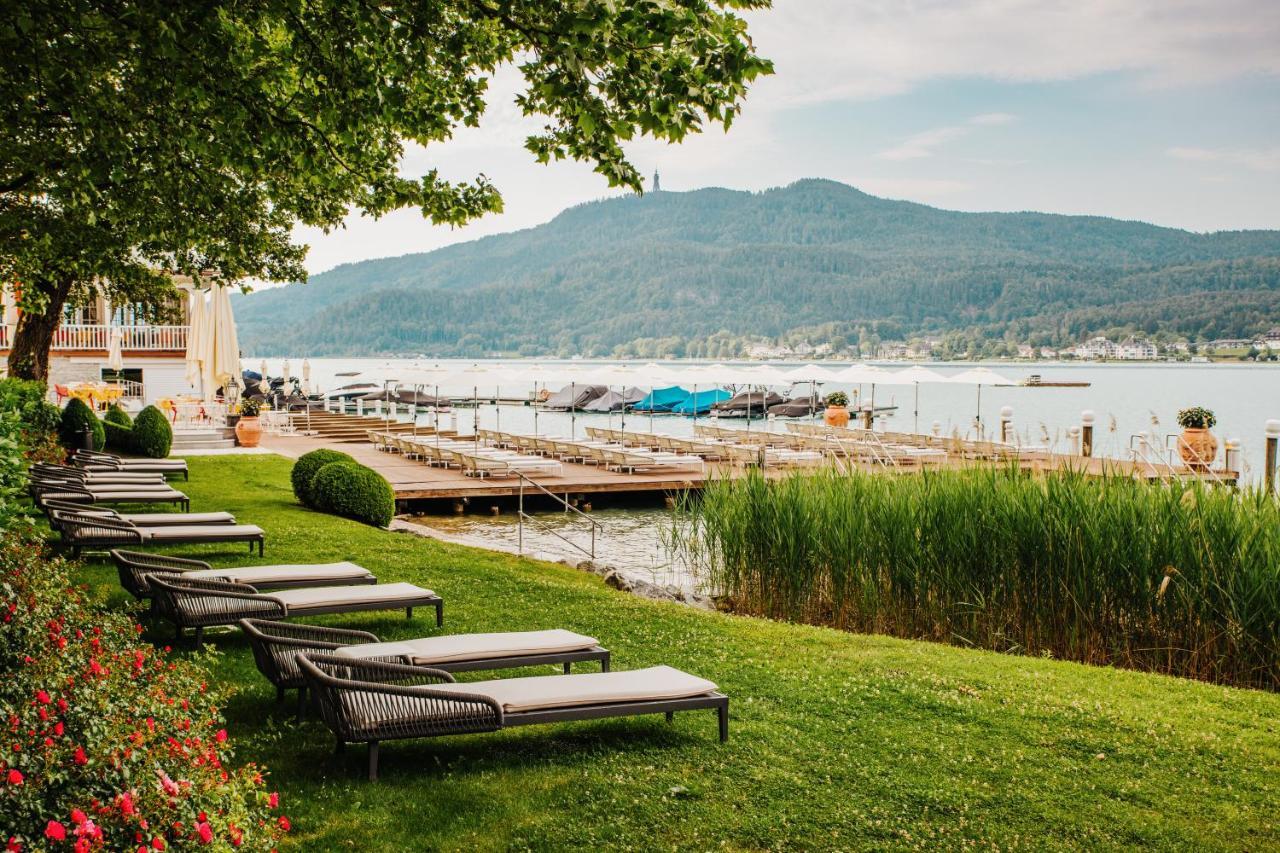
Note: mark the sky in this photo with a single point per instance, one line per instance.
(1166, 111)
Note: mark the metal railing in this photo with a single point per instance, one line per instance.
(97, 336)
(1167, 463)
(523, 516)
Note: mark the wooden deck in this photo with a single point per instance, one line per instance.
(413, 480)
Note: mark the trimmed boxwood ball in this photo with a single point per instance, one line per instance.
(119, 436)
(152, 435)
(304, 470)
(351, 490)
(74, 417)
(117, 415)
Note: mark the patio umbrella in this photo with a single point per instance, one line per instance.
(197, 348)
(914, 376)
(224, 345)
(979, 376)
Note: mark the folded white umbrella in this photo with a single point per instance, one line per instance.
(811, 373)
(115, 350)
(225, 361)
(913, 376)
(197, 329)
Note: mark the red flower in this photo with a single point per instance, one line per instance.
(58, 728)
(157, 843)
(43, 697)
(126, 803)
(78, 817)
(221, 736)
(206, 834)
(15, 776)
(273, 799)
(55, 831)
(284, 823)
(79, 756)
(81, 845)
(14, 846)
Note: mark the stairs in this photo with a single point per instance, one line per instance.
(351, 428)
(202, 438)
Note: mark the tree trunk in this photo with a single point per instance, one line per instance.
(29, 355)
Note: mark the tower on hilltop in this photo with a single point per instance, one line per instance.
(657, 184)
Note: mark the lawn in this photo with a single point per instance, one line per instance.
(838, 741)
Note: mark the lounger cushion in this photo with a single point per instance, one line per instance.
(300, 600)
(428, 650)
(594, 688)
(191, 531)
(144, 519)
(122, 496)
(253, 575)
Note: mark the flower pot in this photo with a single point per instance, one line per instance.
(248, 432)
(836, 416)
(1198, 447)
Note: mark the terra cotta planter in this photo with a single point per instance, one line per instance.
(1198, 447)
(248, 432)
(836, 416)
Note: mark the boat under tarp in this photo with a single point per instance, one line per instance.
(798, 407)
(615, 401)
(754, 403)
(662, 399)
(350, 392)
(574, 397)
(700, 403)
(418, 398)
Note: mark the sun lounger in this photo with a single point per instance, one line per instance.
(365, 701)
(92, 460)
(276, 646)
(42, 490)
(195, 603)
(135, 566)
(83, 475)
(80, 531)
(142, 519)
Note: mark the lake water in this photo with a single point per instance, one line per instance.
(1127, 399)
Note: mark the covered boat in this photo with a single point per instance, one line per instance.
(754, 403)
(615, 401)
(798, 407)
(700, 403)
(662, 399)
(574, 397)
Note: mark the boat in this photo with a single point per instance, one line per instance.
(1035, 381)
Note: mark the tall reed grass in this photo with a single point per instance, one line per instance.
(1168, 578)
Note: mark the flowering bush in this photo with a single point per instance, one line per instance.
(105, 742)
(28, 433)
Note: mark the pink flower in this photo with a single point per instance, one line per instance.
(205, 833)
(55, 831)
(273, 799)
(15, 777)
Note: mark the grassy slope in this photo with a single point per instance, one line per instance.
(837, 740)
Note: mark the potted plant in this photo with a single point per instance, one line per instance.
(248, 429)
(837, 413)
(1197, 446)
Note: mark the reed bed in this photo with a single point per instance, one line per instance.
(1170, 578)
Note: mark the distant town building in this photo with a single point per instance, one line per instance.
(1137, 349)
(1096, 348)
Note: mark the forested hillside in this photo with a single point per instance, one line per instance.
(731, 266)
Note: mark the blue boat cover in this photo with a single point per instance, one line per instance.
(701, 402)
(662, 399)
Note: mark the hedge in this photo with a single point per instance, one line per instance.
(354, 491)
(33, 422)
(152, 435)
(111, 744)
(117, 415)
(119, 438)
(304, 470)
(74, 417)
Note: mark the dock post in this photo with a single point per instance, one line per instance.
(1269, 468)
(1006, 423)
(1231, 454)
(1086, 432)
(868, 415)
(1073, 436)
(937, 428)
(359, 407)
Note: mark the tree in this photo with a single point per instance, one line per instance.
(144, 137)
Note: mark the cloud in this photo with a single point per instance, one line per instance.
(861, 49)
(1256, 159)
(927, 143)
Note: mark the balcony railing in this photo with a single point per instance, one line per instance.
(133, 338)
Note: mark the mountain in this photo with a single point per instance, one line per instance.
(700, 272)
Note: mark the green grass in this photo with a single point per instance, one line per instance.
(837, 740)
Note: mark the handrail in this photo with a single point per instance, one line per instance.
(1207, 465)
(523, 516)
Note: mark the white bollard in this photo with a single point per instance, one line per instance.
(1006, 423)
(1086, 432)
(1269, 468)
(1231, 454)
(1073, 437)
(937, 427)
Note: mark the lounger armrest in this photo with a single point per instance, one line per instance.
(375, 672)
(78, 527)
(300, 634)
(133, 568)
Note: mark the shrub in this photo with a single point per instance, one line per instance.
(109, 743)
(250, 407)
(119, 436)
(74, 418)
(1196, 417)
(35, 420)
(117, 415)
(304, 470)
(152, 435)
(837, 398)
(354, 491)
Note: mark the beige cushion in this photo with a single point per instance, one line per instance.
(328, 596)
(95, 488)
(125, 495)
(593, 688)
(429, 650)
(152, 519)
(253, 575)
(188, 531)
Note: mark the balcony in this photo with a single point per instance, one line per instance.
(133, 338)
